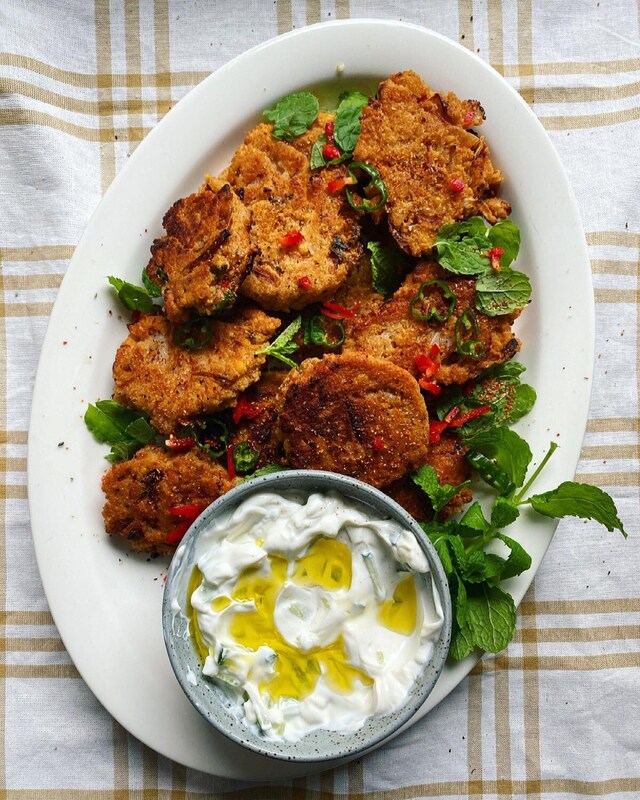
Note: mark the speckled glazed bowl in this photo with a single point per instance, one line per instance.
(212, 701)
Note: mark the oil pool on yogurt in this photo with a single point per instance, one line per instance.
(310, 613)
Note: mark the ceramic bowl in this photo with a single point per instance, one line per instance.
(212, 701)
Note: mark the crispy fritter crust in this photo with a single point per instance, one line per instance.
(356, 415)
(140, 492)
(284, 195)
(205, 255)
(259, 432)
(171, 383)
(417, 140)
(446, 456)
(390, 331)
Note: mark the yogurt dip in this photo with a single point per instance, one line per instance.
(310, 613)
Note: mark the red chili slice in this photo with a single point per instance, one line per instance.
(427, 365)
(180, 445)
(336, 311)
(330, 151)
(337, 185)
(189, 512)
(456, 184)
(460, 419)
(378, 443)
(231, 467)
(328, 129)
(177, 534)
(431, 387)
(245, 408)
(436, 427)
(468, 119)
(291, 239)
(495, 254)
(304, 282)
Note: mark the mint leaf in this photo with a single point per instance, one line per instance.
(266, 470)
(503, 513)
(282, 347)
(491, 618)
(572, 499)
(474, 520)
(480, 566)
(463, 247)
(461, 258)
(519, 560)
(133, 297)
(316, 159)
(347, 122)
(150, 286)
(293, 115)
(502, 292)
(122, 428)
(461, 644)
(505, 234)
(508, 450)
(439, 494)
(388, 268)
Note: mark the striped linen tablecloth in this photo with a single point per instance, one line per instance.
(557, 715)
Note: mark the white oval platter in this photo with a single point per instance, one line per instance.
(105, 602)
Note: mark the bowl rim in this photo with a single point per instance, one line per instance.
(351, 488)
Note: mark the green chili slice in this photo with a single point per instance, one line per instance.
(490, 472)
(432, 312)
(319, 329)
(374, 180)
(245, 458)
(193, 335)
(467, 333)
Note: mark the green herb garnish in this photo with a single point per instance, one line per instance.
(484, 614)
(293, 115)
(283, 346)
(439, 494)
(347, 123)
(133, 297)
(193, 335)
(245, 458)
(463, 247)
(323, 332)
(388, 268)
(502, 292)
(431, 312)
(122, 428)
(373, 179)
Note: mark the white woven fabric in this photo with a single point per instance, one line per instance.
(555, 716)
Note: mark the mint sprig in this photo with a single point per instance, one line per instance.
(283, 346)
(293, 115)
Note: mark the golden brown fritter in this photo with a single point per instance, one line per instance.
(285, 196)
(392, 332)
(259, 430)
(205, 255)
(356, 415)
(411, 498)
(418, 141)
(140, 492)
(446, 456)
(172, 383)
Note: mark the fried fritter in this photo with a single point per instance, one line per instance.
(285, 196)
(205, 255)
(172, 384)
(258, 431)
(140, 492)
(419, 142)
(446, 456)
(354, 414)
(392, 332)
